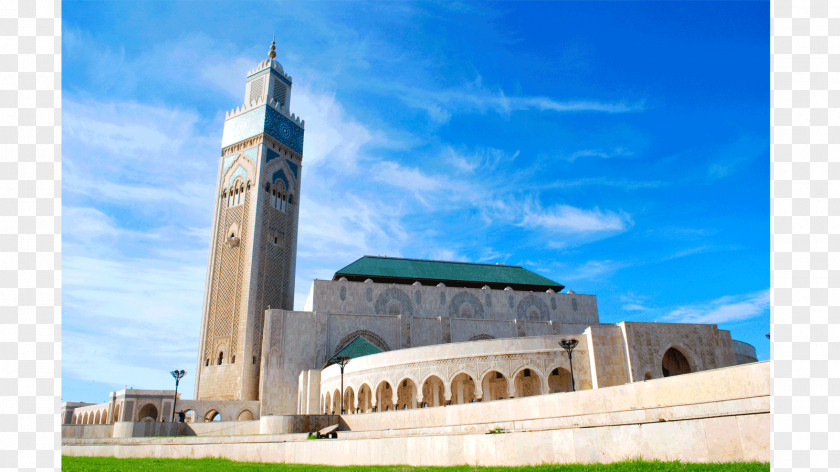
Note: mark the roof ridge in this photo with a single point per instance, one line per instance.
(444, 262)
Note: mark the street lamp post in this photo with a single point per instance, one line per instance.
(342, 361)
(178, 374)
(569, 345)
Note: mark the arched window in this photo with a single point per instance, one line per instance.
(233, 359)
(206, 362)
(221, 358)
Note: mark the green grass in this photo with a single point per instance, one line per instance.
(97, 464)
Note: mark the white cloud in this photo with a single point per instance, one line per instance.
(743, 150)
(722, 310)
(332, 137)
(595, 270)
(147, 310)
(474, 96)
(566, 219)
(599, 153)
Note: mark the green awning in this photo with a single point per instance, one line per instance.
(358, 347)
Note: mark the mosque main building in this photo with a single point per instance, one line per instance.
(410, 333)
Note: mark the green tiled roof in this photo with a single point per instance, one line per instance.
(358, 347)
(385, 269)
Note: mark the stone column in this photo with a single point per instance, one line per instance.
(435, 396)
(459, 392)
(511, 387)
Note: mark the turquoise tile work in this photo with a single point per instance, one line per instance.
(252, 153)
(228, 161)
(239, 172)
(282, 176)
(270, 155)
(244, 126)
(263, 119)
(284, 130)
(293, 167)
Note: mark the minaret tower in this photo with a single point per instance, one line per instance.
(254, 242)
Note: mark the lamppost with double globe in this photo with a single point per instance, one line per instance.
(342, 361)
(569, 345)
(178, 374)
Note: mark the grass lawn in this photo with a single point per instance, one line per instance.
(96, 464)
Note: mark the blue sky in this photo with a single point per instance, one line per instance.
(619, 148)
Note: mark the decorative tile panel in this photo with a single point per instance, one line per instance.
(293, 167)
(267, 120)
(270, 154)
(252, 153)
(239, 172)
(228, 162)
(282, 176)
(284, 130)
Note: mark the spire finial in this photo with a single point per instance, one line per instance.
(271, 53)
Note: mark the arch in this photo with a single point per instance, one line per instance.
(85, 418)
(336, 406)
(221, 358)
(481, 337)
(396, 295)
(465, 305)
(462, 388)
(532, 308)
(349, 400)
(232, 231)
(369, 335)
(674, 362)
(212, 415)
(149, 412)
(116, 413)
(365, 398)
(494, 386)
(327, 404)
(189, 416)
(238, 174)
(407, 394)
(527, 381)
(274, 357)
(98, 419)
(245, 415)
(384, 396)
(432, 390)
(559, 380)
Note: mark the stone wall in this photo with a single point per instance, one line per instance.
(713, 416)
(704, 346)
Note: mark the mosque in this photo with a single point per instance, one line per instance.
(384, 334)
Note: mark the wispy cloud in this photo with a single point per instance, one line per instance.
(722, 310)
(595, 270)
(738, 153)
(566, 219)
(475, 97)
(634, 302)
(599, 153)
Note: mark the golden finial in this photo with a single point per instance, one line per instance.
(271, 53)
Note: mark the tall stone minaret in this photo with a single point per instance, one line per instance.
(254, 242)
